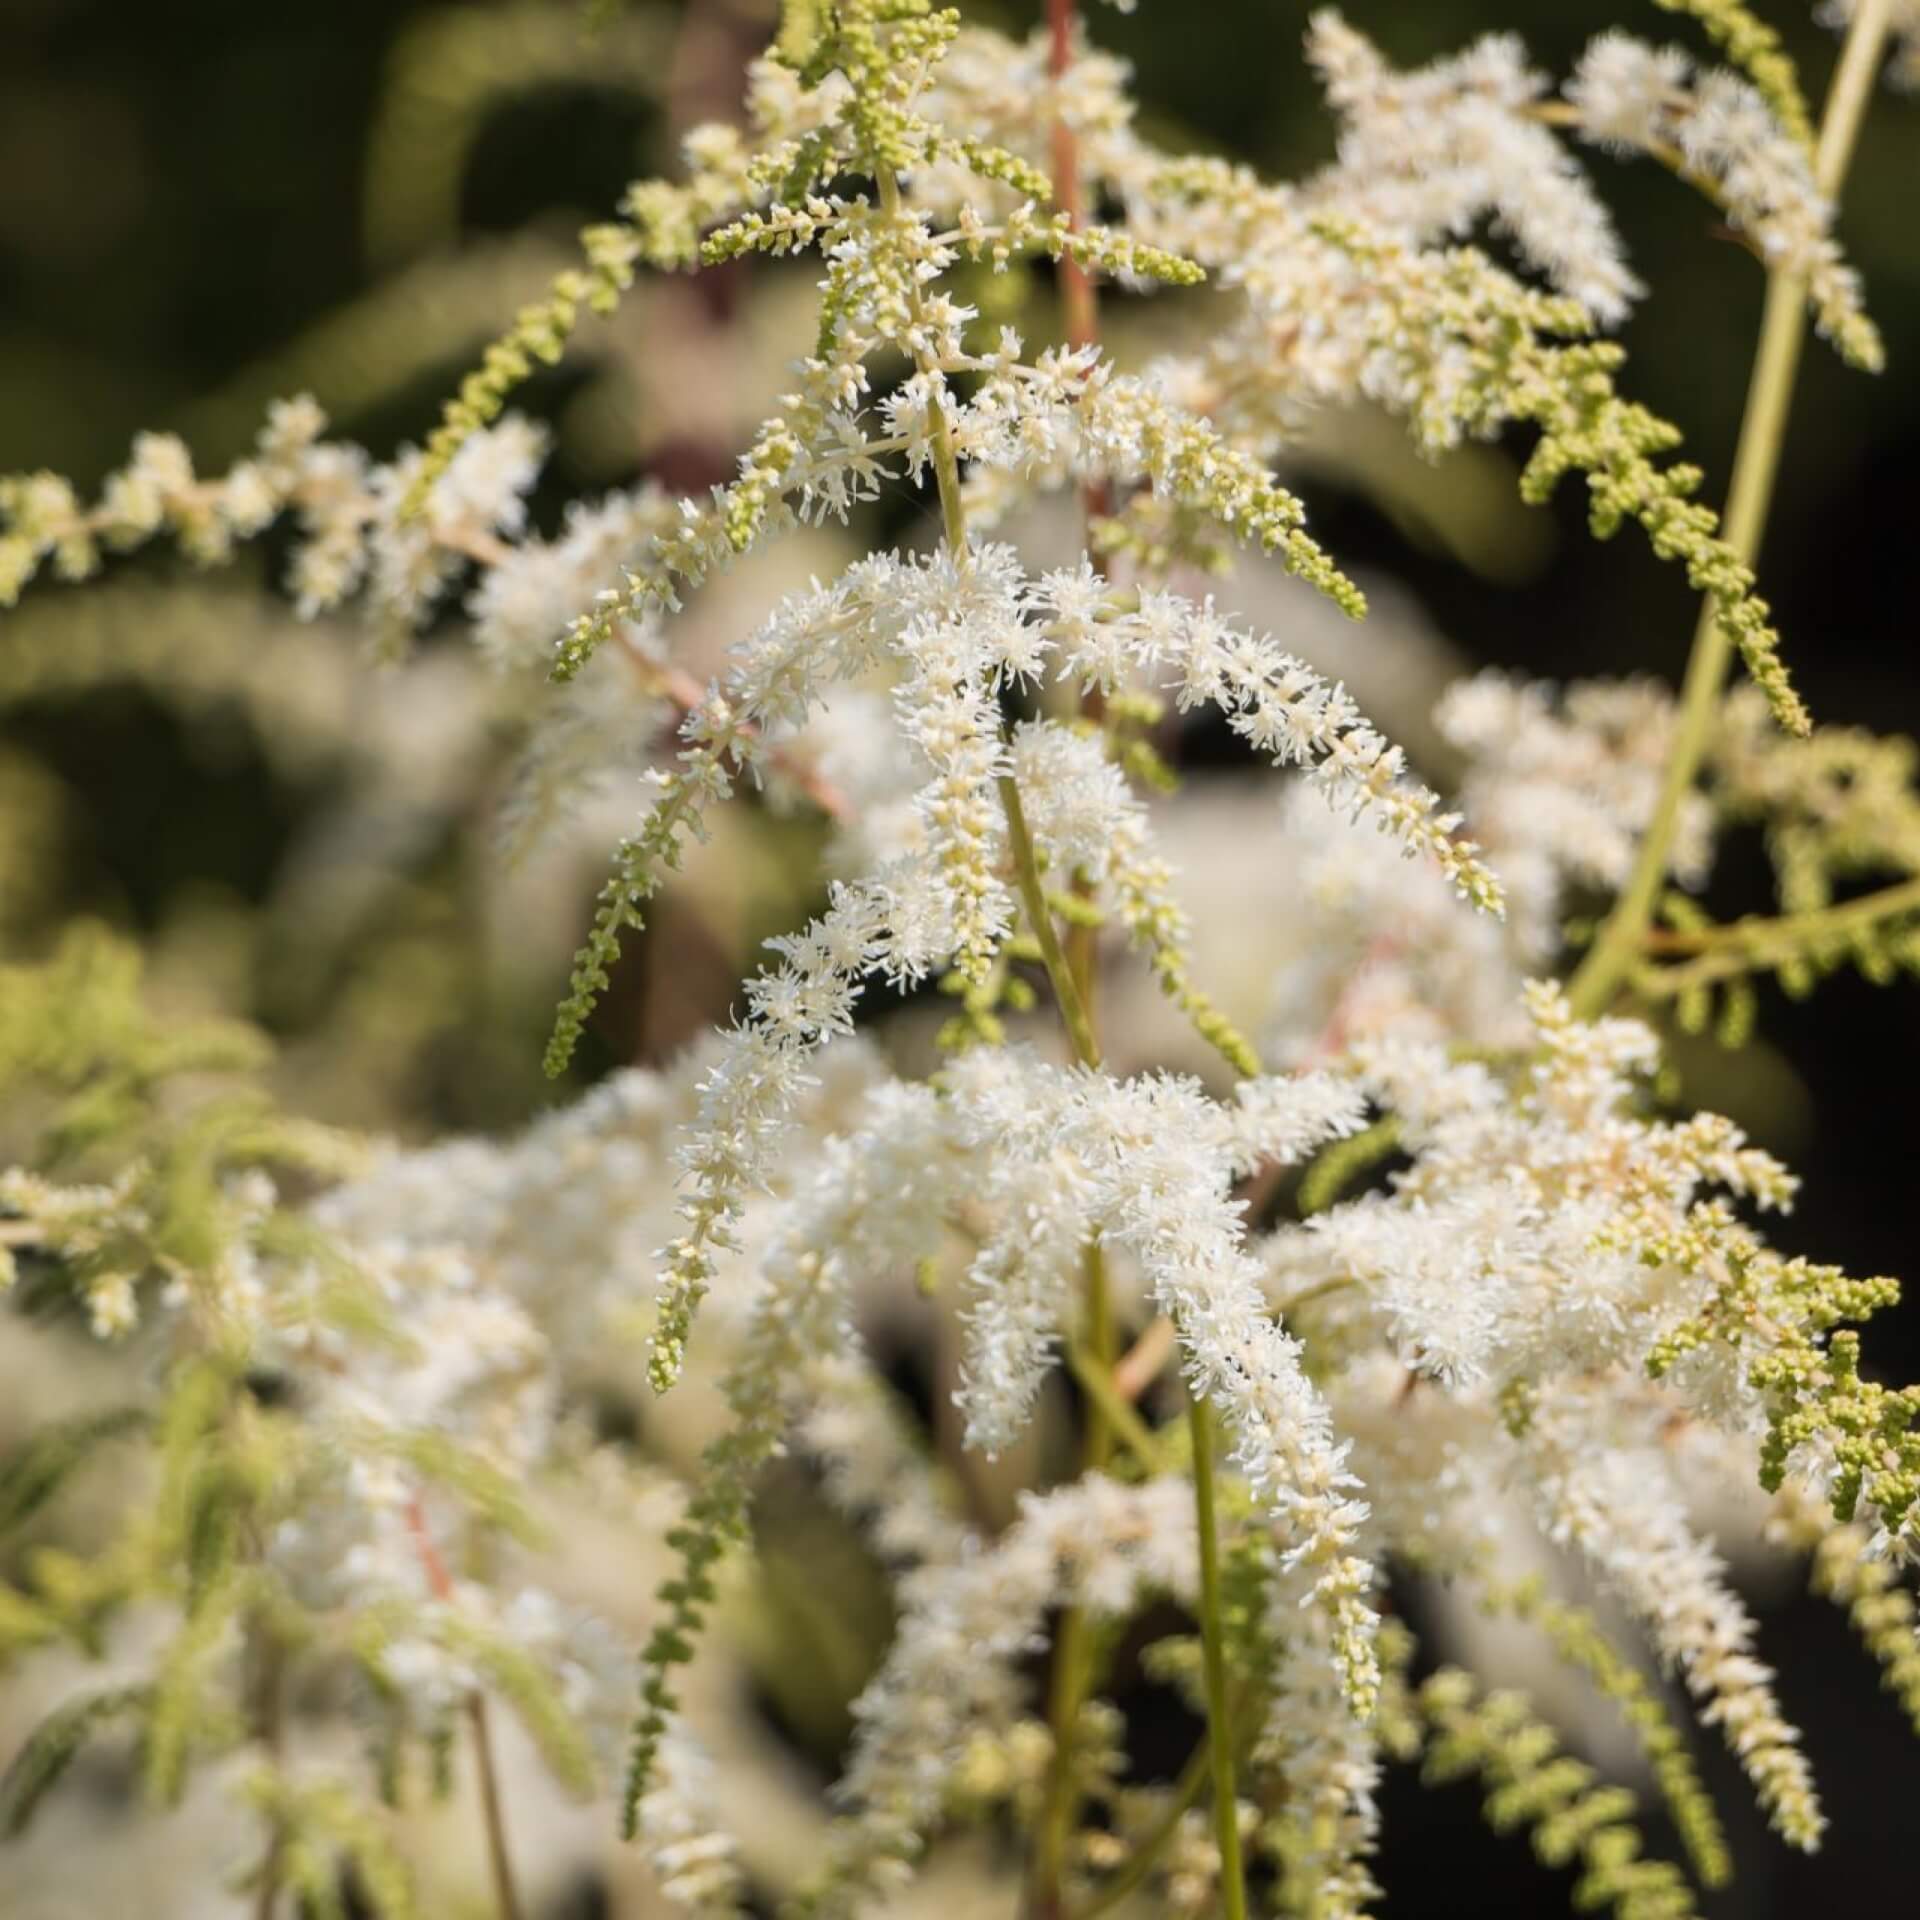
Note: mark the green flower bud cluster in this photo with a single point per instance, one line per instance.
(1532, 1784)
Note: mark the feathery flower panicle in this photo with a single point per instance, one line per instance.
(871, 1202)
(1279, 705)
(1160, 1161)
(351, 531)
(1722, 131)
(1424, 153)
(1618, 1506)
(1530, 1238)
(1467, 1293)
(1755, 48)
(1561, 788)
(1327, 1760)
(695, 1860)
(954, 1662)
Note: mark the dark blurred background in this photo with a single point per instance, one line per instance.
(184, 193)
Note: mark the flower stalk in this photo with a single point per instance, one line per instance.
(1756, 468)
(1226, 1805)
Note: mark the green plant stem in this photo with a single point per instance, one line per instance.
(1097, 1352)
(1747, 946)
(1226, 1805)
(1756, 467)
(506, 1891)
(1075, 1651)
(1033, 897)
(1117, 1413)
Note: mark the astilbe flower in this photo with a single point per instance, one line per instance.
(1619, 1507)
(1722, 130)
(953, 1664)
(1490, 1358)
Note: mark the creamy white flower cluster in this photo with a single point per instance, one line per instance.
(352, 530)
(1633, 96)
(1492, 1354)
(1534, 1248)
(1564, 788)
(1427, 153)
(1514, 1246)
(1558, 784)
(955, 633)
(954, 1666)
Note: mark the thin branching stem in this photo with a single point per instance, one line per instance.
(1226, 1805)
(1753, 945)
(1033, 897)
(1075, 1651)
(1756, 467)
(506, 1888)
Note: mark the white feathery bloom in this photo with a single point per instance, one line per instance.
(1159, 1159)
(695, 1860)
(1370, 943)
(1325, 1762)
(521, 604)
(481, 495)
(954, 1664)
(1615, 1501)
(1625, 90)
(868, 1203)
(1530, 1237)
(1022, 1286)
(1718, 125)
(947, 710)
(1278, 704)
(958, 632)
(1433, 1463)
(994, 88)
(748, 1094)
(1278, 1120)
(1548, 1304)
(1425, 153)
(1561, 789)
